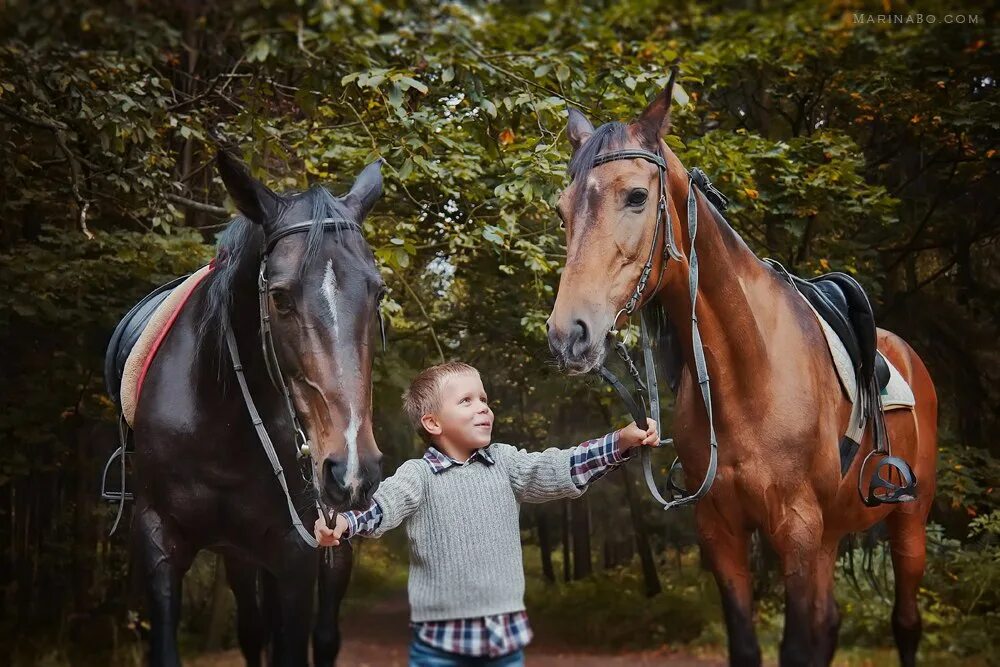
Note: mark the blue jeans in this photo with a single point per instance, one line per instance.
(423, 654)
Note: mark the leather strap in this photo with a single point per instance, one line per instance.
(265, 439)
(327, 223)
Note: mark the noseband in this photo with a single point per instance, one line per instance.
(636, 405)
(303, 446)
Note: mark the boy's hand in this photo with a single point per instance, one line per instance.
(326, 536)
(633, 436)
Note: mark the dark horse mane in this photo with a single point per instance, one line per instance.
(238, 254)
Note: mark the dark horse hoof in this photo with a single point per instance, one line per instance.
(882, 490)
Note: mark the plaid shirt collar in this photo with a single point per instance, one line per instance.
(439, 461)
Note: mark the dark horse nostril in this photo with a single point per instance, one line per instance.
(333, 475)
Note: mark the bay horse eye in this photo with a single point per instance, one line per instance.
(282, 302)
(562, 220)
(637, 197)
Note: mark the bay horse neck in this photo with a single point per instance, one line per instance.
(729, 271)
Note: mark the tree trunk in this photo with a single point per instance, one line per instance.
(582, 565)
(545, 543)
(567, 560)
(650, 578)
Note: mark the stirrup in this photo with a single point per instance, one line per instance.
(891, 493)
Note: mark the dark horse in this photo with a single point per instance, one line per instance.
(203, 479)
(778, 409)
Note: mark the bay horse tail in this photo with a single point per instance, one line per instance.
(907, 523)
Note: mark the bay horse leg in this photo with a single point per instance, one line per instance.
(726, 546)
(908, 541)
(798, 541)
(335, 565)
(166, 558)
(826, 611)
(251, 632)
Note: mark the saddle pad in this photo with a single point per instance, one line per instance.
(897, 393)
(149, 341)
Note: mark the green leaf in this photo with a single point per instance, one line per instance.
(406, 82)
(259, 51)
(396, 96)
(447, 75)
(563, 73)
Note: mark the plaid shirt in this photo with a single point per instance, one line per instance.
(497, 634)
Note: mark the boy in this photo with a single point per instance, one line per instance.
(461, 503)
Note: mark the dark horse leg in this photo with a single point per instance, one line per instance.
(908, 540)
(251, 631)
(726, 545)
(289, 595)
(166, 557)
(334, 574)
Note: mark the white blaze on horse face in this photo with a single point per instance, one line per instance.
(330, 294)
(352, 479)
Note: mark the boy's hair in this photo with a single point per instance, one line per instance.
(424, 393)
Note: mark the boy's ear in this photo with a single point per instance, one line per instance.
(431, 424)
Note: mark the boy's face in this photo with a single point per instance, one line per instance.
(462, 420)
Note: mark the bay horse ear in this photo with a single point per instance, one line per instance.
(254, 199)
(578, 129)
(654, 121)
(366, 190)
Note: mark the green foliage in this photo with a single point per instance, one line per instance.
(866, 148)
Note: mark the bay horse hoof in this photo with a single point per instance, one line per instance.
(882, 490)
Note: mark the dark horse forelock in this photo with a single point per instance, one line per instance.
(238, 260)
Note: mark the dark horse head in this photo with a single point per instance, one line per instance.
(610, 216)
(323, 291)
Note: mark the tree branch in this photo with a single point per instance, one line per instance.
(197, 205)
(75, 170)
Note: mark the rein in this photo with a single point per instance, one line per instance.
(635, 405)
(303, 446)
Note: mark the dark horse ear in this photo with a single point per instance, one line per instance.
(578, 129)
(654, 122)
(366, 190)
(254, 199)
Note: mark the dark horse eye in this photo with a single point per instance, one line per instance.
(637, 197)
(282, 302)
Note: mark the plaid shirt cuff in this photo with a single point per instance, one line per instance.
(362, 523)
(593, 459)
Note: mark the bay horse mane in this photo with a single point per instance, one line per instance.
(237, 260)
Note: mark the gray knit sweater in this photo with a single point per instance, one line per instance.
(462, 525)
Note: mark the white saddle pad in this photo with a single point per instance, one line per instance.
(897, 393)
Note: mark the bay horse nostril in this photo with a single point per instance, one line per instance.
(579, 338)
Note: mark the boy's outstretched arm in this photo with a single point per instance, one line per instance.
(565, 473)
(396, 499)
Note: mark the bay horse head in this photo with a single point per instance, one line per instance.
(617, 214)
(315, 309)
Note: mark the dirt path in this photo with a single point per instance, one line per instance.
(379, 637)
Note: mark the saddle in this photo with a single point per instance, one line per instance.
(138, 336)
(843, 304)
(127, 333)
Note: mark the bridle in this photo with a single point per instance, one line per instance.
(303, 446)
(636, 406)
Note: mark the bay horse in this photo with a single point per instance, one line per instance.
(296, 268)
(778, 409)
